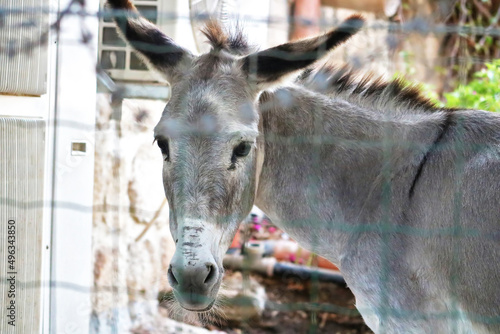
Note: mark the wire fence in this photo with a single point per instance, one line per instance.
(408, 271)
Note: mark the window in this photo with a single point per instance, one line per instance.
(116, 57)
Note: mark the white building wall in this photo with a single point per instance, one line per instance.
(74, 111)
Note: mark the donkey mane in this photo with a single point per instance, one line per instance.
(234, 42)
(367, 91)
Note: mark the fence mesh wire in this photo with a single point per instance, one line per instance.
(465, 38)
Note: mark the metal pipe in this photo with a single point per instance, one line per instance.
(284, 269)
(269, 266)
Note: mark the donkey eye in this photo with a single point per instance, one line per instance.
(242, 149)
(163, 145)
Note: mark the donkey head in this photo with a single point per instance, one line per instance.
(209, 137)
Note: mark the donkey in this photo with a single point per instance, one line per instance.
(400, 194)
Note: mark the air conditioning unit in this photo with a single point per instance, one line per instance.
(44, 242)
(23, 72)
(22, 153)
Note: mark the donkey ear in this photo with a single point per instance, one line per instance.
(157, 49)
(268, 66)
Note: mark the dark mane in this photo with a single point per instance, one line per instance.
(219, 38)
(375, 93)
(368, 91)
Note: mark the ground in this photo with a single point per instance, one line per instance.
(289, 292)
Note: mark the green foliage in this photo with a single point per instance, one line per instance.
(483, 92)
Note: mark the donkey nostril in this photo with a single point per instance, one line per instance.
(171, 278)
(211, 273)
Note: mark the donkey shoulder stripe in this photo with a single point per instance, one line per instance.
(434, 147)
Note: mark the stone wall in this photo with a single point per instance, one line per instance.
(128, 193)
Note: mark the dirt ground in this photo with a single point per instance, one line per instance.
(288, 292)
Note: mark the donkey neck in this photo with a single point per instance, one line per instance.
(327, 161)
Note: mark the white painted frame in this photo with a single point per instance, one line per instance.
(40, 107)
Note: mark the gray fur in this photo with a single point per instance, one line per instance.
(424, 264)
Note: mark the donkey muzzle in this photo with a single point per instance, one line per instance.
(195, 284)
(194, 274)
